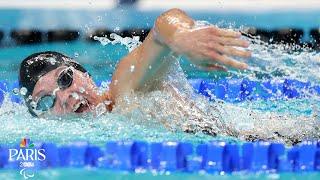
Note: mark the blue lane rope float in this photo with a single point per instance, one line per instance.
(14, 97)
(237, 90)
(3, 90)
(213, 157)
(1, 97)
(230, 90)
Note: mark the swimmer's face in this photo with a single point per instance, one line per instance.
(79, 95)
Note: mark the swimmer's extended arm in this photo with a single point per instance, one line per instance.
(174, 32)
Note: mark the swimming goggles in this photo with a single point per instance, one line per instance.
(64, 81)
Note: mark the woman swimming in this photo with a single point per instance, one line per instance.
(50, 73)
(58, 85)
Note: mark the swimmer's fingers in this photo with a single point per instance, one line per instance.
(227, 61)
(231, 41)
(224, 32)
(228, 50)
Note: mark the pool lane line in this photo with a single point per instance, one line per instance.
(32, 36)
(285, 35)
(315, 34)
(230, 90)
(214, 157)
(24, 37)
(62, 35)
(1, 35)
(238, 90)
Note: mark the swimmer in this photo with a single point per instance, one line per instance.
(58, 85)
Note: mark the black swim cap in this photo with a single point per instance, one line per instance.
(37, 65)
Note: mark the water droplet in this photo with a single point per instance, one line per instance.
(100, 92)
(52, 60)
(116, 29)
(132, 68)
(33, 104)
(100, 109)
(75, 95)
(136, 38)
(107, 102)
(76, 54)
(82, 90)
(23, 91)
(99, 18)
(15, 91)
(104, 84)
(86, 74)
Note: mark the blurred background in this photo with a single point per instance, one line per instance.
(69, 26)
(86, 16)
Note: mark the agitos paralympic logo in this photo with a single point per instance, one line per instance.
(26, 155)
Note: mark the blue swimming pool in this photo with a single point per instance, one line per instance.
(289, 73)
(17, 123)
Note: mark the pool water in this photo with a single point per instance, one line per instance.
(102, 174)
(125, 123)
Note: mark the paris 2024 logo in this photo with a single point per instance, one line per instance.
(26, 155)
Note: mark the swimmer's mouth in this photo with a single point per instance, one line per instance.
(82, 106)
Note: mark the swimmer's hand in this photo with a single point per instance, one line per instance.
(145, 67)
(211, 47)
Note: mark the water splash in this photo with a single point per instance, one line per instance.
(269, 61)
(178, 108)
(129, 43)
(279, 61)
